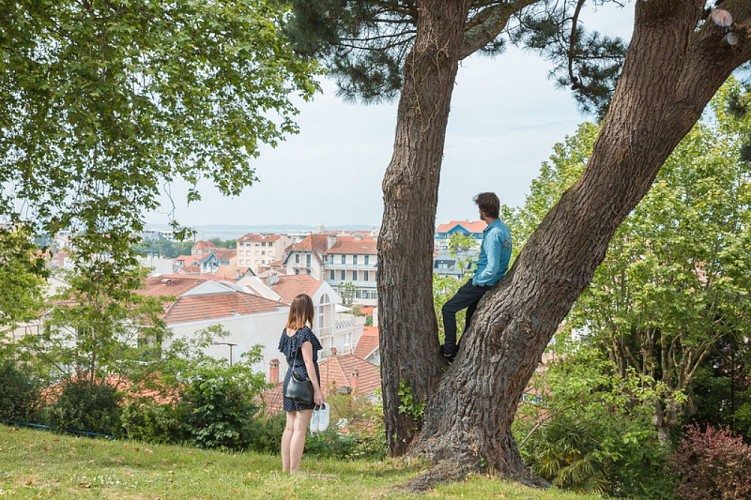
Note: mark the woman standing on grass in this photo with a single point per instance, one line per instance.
(300, 346)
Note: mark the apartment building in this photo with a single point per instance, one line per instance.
(464, 227)
(353, 259)
(307, 256)
(258, 251)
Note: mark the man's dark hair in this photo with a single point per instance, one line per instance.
(489, 204)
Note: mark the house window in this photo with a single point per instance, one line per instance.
(297, 258)
(344, 275)
(354, 259)
(367, 258)
(354, 275)
(307, 260)
(331, 276)
(344, 259)
(263, 252)
(366, 276)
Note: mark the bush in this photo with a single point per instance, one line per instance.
(83, 406)
(19, 393)
(266, 433)
(152, 422)
(218, 409)
(712, 464)
(330, 444)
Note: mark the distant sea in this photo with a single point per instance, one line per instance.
(227, 232)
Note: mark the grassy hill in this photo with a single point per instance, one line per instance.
(40, 464)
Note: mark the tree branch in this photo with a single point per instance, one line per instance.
(486, 25)
(572, 43)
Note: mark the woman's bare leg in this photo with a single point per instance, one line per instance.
(289, 429)
(297, 443)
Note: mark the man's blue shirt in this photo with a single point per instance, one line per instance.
(495, 253)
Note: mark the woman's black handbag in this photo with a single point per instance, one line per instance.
(298, 389)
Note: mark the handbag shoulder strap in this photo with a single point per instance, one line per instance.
(296, 337)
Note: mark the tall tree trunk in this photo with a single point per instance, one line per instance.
(670, 74)
(408, 342)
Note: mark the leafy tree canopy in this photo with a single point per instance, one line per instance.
(365, 43)
(674, 281)
(101, 103)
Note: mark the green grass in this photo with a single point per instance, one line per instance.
(37, 464)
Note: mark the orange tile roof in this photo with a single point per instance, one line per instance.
(225, 253)
(312, 242)
(293, 285)
(259, 237)
(337, 371)
(352, 245)
(368, 342)
(217, 305)
(188, 258)
(170, 285)
(272, 400)
(471, 226)
(201, 245)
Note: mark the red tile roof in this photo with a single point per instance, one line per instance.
(337, 371)
(272, 400)
(368, 342)
(293, 285)
(217, 305)
(225, 253)
(312, 242)
(352, 245)
(259, 237)
(188, 258)
(170, 285)
(471, 226)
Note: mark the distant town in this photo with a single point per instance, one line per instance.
(245, 285)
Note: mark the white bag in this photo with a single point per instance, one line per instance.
(319, 422)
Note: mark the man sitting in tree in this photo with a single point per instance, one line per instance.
(495, 252)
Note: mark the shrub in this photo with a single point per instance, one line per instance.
(152, 422)
(330, 444)
(19, 393)
(266, 433)
(83, 406)
(712, 464)
(218, 408)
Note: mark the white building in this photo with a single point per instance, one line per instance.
(255, 251)
(250, 320)
(306, 257)
(354, 259)
(335, 326)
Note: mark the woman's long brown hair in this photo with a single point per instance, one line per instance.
(300, 312)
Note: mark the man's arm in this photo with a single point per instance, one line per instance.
(492, 246)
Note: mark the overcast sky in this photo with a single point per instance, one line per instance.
(506, 114)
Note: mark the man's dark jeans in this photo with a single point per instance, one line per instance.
(467, 297)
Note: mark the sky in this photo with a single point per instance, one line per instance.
(506, 115)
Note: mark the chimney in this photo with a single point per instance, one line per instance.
(355, 381)
(333, 351)
(274, 371)
(330, 241)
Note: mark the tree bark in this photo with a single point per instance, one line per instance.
(671, 72)
(409, 344)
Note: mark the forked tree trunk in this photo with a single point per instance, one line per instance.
(405, 242)
(670, 74)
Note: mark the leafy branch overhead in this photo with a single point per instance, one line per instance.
(102, 103)
(365, 43)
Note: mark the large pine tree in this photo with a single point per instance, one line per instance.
(680, 53)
